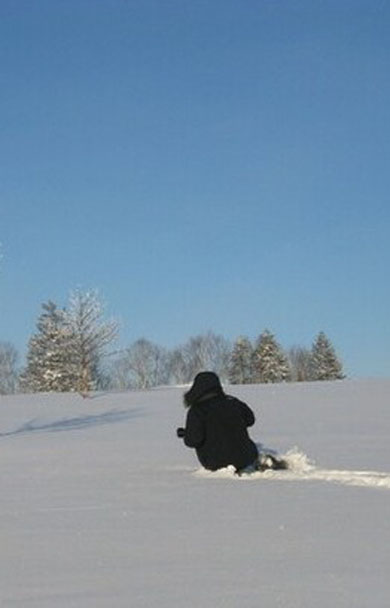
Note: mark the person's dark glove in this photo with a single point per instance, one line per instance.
(180, 432)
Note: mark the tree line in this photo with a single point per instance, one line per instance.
(71, 350)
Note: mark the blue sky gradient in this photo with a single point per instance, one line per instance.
(209, 164)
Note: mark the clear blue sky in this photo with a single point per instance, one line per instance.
(206, 164)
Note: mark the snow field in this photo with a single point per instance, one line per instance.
(102, 506)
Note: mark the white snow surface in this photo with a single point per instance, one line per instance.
(102, 506)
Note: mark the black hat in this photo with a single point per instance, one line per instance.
(205, 383)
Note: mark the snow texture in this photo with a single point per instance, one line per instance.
(102, 506)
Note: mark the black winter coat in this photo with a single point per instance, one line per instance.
(217, 429)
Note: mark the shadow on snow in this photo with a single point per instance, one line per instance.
(71, 424)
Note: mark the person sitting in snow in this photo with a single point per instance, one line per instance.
(216, 427)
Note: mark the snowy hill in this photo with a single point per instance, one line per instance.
(102, 506)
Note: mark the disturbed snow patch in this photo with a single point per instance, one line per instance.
(302, 468)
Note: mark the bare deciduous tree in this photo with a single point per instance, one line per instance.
(90, 337)
(8, 370)
(208, 351)
(301, 364)
(143, 365)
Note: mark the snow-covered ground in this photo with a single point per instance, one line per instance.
(101, 506)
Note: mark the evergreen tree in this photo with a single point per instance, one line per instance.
(325, 363)
(269, 363)
(48, 354)
(240, 368)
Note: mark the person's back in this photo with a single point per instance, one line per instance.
(217, 424)
(217, 429)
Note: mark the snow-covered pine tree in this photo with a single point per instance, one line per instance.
(48, 367)
(90, 337)
(269, 363)
(325, 364)
(240, 368)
